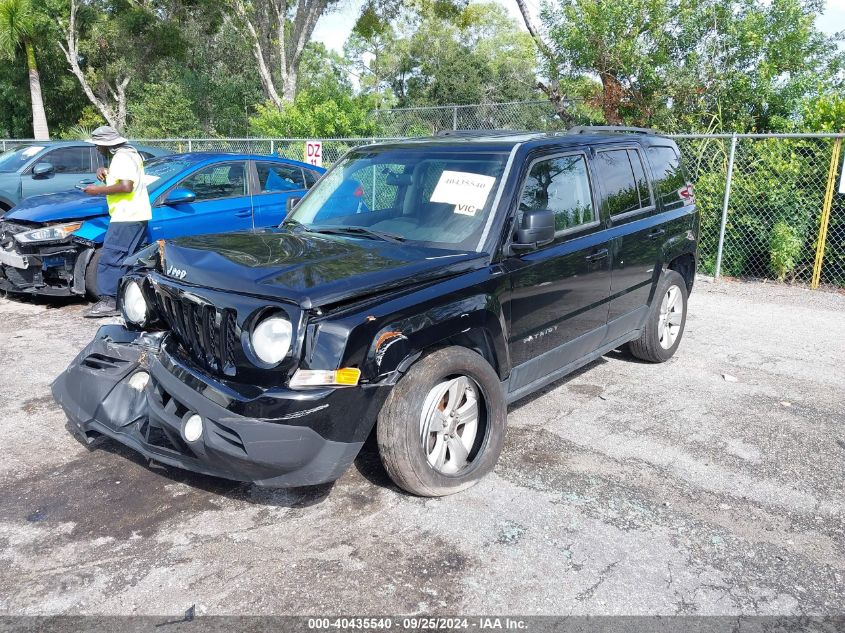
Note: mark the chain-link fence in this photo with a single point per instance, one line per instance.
(294, 148)
(769, 203)
(332, 148)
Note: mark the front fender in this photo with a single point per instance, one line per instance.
(475, 322)
(383, 337)
(93, 230)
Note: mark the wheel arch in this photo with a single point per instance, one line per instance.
(680, 253)
(475, 323)
(684, 264)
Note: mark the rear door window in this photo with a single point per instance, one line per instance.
(273, 177)
(624, 191)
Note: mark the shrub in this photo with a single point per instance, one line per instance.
(784, 248)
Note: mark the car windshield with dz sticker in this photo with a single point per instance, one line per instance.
(434, 198)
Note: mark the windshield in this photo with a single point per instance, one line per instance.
(16, 158)
(436, 197)
(162, 169)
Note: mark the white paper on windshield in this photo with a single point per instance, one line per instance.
(29, 152)
(148, 180)
(466, 190)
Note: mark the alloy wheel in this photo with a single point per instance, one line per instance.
(449, 424)
(670, 318)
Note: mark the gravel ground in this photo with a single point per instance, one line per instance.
(626, 488)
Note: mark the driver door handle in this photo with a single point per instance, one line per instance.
(246, 213)
(598, 255)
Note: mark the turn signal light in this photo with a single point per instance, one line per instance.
(345, 377)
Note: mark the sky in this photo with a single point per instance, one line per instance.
(333, 28)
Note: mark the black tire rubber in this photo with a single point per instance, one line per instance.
(398, 428)
(648, 347)
(91, 276)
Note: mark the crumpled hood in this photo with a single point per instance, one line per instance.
(54, 207)
(307, 268)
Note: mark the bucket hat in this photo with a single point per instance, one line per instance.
(106, 136)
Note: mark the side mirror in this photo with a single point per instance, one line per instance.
(43, 170)
(290, 205)
(536, 228)
(180, 196)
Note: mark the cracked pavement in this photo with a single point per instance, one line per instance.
(626, 488)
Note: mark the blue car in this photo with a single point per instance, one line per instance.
(50, 166)
(49, 244)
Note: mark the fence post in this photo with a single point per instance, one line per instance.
(454, 117)
(825, 219)
(728, 180)
(190, 147)
(272, 146)
(4, 146)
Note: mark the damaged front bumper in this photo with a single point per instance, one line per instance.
(56, 270)
(127, 386)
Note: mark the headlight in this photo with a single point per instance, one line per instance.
(270, 339)
(133, 303)
(48, 233)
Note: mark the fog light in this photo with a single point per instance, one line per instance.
(192, 428)
(139, 380)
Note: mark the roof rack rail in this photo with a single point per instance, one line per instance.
(599, 129)
(480, 132)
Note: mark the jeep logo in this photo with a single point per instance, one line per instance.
(177, 273)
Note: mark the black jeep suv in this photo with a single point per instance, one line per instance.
(419, 287)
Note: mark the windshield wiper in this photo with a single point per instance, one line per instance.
(357, 230)
(295, 224)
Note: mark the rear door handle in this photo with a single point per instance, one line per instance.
(656, 233)
(598, 255)
(243, 214)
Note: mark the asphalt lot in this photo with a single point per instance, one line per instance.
(626, 488)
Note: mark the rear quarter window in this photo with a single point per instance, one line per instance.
(669, 176)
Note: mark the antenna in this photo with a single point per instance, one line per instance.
(249, 183)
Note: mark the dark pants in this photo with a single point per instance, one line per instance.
(122, 239)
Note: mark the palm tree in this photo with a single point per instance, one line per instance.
(17, 24)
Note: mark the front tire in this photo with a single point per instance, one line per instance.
(443, 426)
(91, 275)
(666, 321)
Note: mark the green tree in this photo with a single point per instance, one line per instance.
(277, 32)
(824, 113)
(163, 111)
(744, 65)
(108, 44)
(17, 27)
(313, 115)
(439, 53)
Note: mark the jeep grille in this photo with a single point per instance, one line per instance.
(209, 334)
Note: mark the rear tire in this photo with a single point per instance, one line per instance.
(442, 427)
(666, 320)
(91, 275)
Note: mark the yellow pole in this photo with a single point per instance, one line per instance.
(825, 219)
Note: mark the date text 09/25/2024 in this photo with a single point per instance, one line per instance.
(418, 623)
